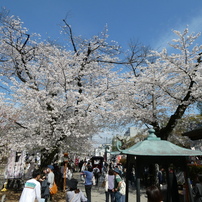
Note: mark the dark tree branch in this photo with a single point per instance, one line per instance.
(19, 124)
(71, 35)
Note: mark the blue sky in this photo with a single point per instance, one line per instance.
(149, 21)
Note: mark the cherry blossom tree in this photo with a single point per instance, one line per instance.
(62, 95)
(167, 86)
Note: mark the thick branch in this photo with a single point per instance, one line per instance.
(166, 131)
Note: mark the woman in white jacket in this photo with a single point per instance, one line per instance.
(109, 186)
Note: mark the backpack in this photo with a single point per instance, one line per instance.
(122, 189)
(95, 171)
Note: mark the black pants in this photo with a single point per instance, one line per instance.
(111, 194)
(96, 178)
(88, 192)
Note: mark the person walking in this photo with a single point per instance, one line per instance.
(109, 186)
(84, 167)
(32, 188)
(88, 182)
(96, 172)
(80, 165)
(74, 194)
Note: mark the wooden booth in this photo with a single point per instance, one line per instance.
(154, 151)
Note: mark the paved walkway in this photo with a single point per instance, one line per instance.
(98, 194)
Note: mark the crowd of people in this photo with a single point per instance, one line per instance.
(113, 181)
(38, 188)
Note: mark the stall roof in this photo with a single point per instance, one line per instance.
(194, 134)
(154, 146)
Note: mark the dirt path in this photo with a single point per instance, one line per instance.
(12, 196)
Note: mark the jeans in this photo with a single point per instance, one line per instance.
(119, 197)
(88, 192)
(123, 198)
(111, 194)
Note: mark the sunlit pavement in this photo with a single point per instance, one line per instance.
(98, 194)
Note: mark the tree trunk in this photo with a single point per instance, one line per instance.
(48, 156)
(164, 133)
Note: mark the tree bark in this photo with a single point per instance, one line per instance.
(47, 156)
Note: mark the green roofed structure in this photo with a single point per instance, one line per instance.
(152, 151)
(154, 146)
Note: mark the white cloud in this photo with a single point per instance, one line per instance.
(194, 25)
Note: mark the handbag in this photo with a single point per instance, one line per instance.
(53, 189)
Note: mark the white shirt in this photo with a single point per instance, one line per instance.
(31, 191)
(110, 182)
(51, 178)
(71, 196)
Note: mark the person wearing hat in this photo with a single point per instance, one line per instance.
(117, 184)
(74, 194)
